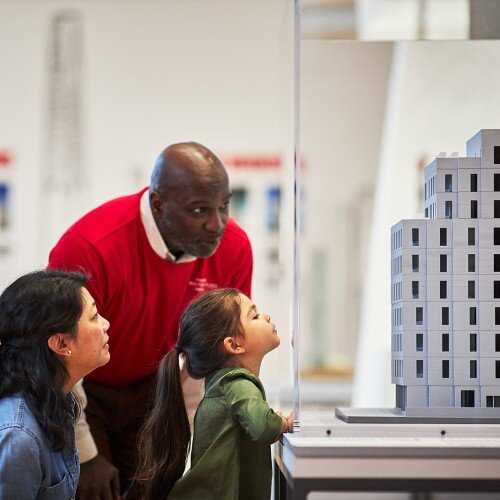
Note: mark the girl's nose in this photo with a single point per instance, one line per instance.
(268, 317)
(105, 324)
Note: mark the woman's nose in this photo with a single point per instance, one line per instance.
(268, 317)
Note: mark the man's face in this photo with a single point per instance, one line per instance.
(192, 217)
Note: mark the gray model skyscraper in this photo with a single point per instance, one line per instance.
(445, 289)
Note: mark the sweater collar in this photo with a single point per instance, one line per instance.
(153, 234)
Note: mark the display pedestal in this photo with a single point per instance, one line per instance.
(320, 458)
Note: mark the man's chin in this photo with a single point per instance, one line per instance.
(204, 250)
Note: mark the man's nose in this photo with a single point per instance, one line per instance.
(216, 222)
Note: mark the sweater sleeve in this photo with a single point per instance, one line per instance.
(251, 411)
(74, 253)
(20, 471)
(85, 443)
(242, 277)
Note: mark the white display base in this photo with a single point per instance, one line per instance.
(326, 425)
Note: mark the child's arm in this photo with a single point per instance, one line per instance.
(252, 412)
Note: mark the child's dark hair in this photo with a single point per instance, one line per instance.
(165, 437)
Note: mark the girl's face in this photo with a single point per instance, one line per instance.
(89, 348)
(260, 334)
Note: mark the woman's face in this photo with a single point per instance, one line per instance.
(89, 347)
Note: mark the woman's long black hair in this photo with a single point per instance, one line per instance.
(34, 307)
(164, 440)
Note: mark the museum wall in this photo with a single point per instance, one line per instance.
(151, 73)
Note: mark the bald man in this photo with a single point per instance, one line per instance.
(148, 255)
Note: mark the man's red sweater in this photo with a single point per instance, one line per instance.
(141, 294)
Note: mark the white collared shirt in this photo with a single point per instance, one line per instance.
(153, 234)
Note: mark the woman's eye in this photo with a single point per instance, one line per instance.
(198, 210)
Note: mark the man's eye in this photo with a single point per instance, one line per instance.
(198, 210)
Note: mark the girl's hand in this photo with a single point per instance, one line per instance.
(286, 422)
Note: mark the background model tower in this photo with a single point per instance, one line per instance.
(445, 289)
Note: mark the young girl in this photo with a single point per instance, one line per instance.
(223, 339)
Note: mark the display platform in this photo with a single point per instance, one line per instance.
(395, 415)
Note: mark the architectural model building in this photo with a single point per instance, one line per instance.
(445, 289)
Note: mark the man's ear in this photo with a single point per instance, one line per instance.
(231, 346)
(154, 201)
(59, 344)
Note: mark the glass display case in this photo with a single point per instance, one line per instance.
(372, 115)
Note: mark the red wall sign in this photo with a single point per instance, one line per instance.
(253, 162)
(6, 158)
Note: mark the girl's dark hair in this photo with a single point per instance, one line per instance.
(165, 437)
(34, 307)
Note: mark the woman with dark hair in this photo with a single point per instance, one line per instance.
(50, 337)
(222, 338)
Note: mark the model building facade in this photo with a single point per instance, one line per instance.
(445, 288)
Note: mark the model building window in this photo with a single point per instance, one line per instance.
(473, 209)
(496, 209)
(473, 342)
(414, 263)
(472, 316)
(497, 315)
(496, 235)
(496, 263)
(471, 290)
(448, 209)
(496, 182)
(414, 289)
(493, 401)
(442, 289)
(420, 342)
(419, 315)
(496, 289)
(445, 316)
(471, 236)
(473, 183)
(445, 342)
(471, 263)
(426, 212)
(442, 237)
(473, 368)
(496, 155)
(497, 342)
(443, 263)
(445, 368)
(497, 368)
(448, 183)
(420, 368)
(467, 399)
(414, 236)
